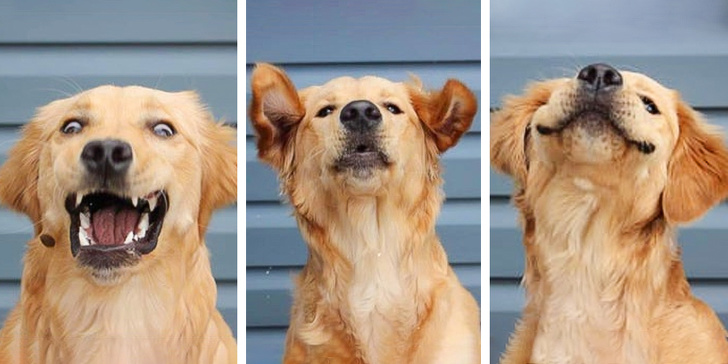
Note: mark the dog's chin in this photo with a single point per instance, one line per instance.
(362, 173)
(110, 232)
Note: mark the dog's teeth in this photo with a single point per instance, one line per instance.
(144, 222)
(152, 203)
(82, 238)
(135, 201)
(79, 198)
(85, 220)
(129, 237)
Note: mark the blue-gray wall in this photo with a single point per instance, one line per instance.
(435, 40)
(50, 49)
(684, 45)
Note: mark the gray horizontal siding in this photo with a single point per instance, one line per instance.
(536, 41)
(31, 77)
(359, 32)
(108, 21)
(50, 50)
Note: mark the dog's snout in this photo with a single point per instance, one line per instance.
(109, 157)
(600, 77)
(360, 116)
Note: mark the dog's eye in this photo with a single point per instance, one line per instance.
(393, 109)
(71, 127)
(163, 130)
(324, 112)
(650, 105)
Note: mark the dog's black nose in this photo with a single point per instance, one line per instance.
(107, 158)
(360, 116)
(600, 77)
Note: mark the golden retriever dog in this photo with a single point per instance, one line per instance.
(359, 162)
(606, 165)
(120, 184)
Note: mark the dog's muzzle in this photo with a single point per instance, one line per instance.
(362, 151)
(597, 84)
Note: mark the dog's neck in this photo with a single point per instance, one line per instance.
(605, 255)
(379, 258)
(137, 318)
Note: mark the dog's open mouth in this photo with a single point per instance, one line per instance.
(108, 230)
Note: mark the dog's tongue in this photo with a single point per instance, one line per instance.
(112, 225)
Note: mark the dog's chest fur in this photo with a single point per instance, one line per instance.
(380, 301)
(588, 314)
(134, 322)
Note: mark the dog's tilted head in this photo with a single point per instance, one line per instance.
(354, 136)
(119, 174)
(605, 128)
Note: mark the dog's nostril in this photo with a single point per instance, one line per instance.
(121, 153)
(372, 113)
(588, 74)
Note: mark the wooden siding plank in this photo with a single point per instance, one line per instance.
(131, 21)
(430, 31)
(461, 171)
(433, 75)
(264, 345)
(535, 30)
(268, 295)
(273, 239)
(704, 243)
(31, 77)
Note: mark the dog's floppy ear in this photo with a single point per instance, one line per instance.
(219, 168)
(19, 174)
(697, 171)
(275, 111)
(510, 129)
(446, 113)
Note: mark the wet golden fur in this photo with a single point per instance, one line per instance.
(377, 287)
(161, 310)
(603, 277)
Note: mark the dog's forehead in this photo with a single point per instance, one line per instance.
(104, 97)
(349, 88)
